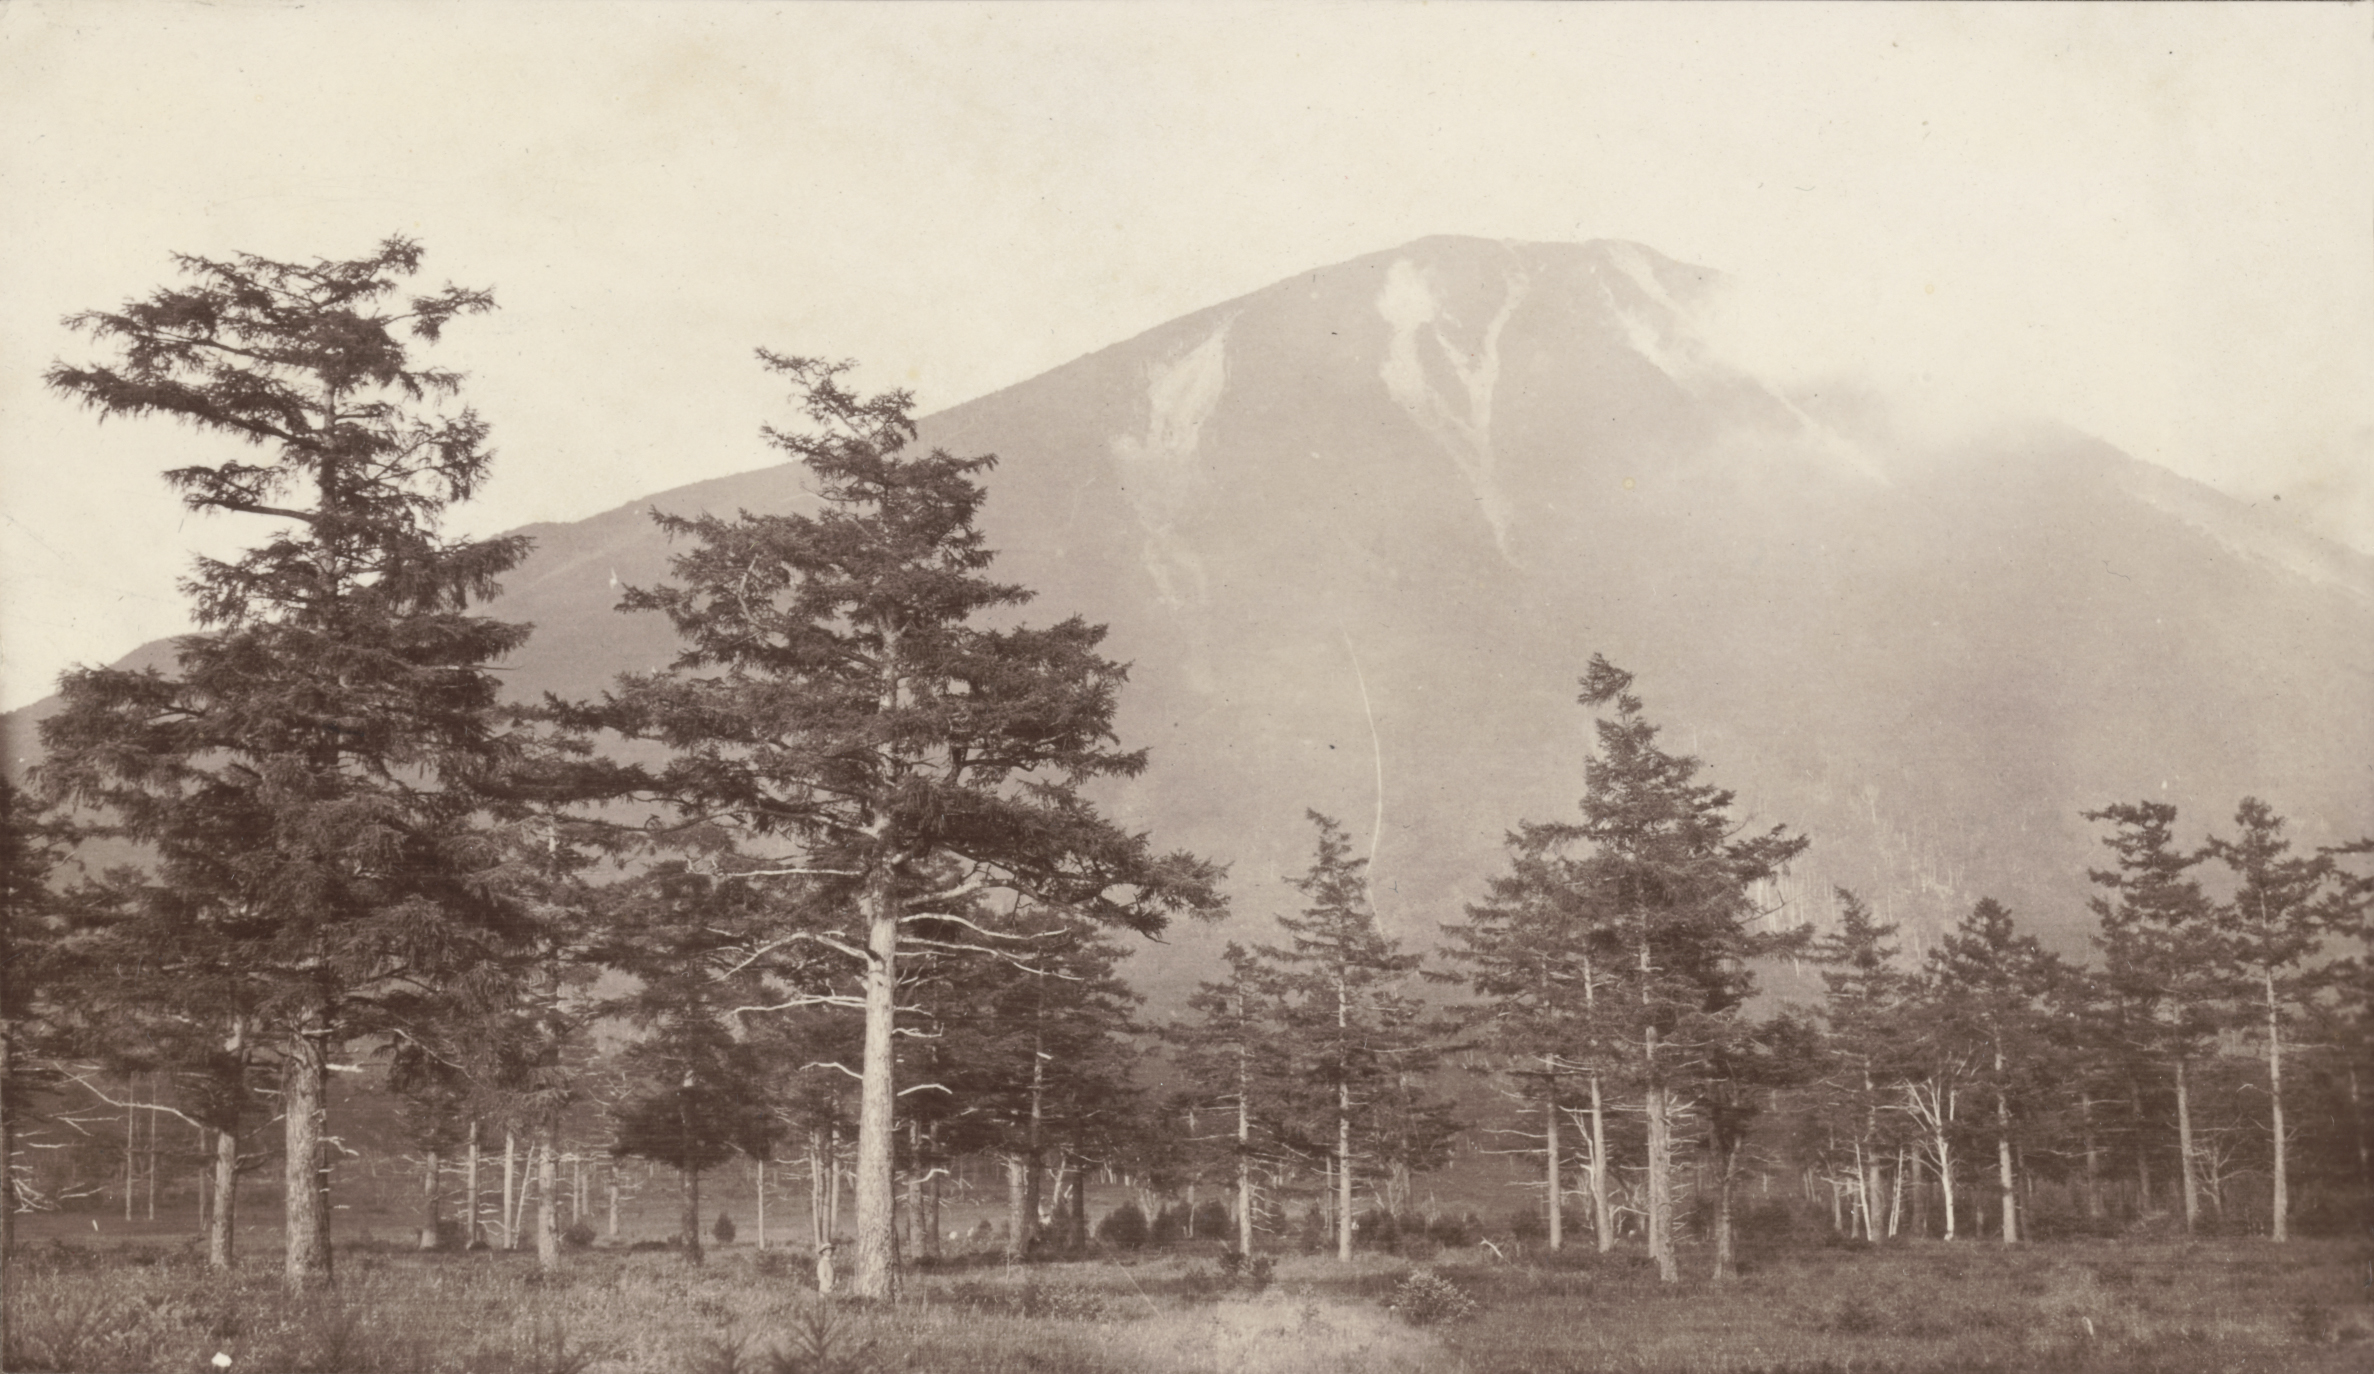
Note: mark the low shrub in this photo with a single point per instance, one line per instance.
(1169, 1226)
(1212, 1220)
(723, 1230)
(1426, 1298)
(578, 1235)
(1124, 1227)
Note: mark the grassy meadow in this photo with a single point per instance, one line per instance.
(2226, 1305)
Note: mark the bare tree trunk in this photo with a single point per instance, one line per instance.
(1660, 1185)
(2187, 1158)
(220, 1225)
(1343, 1172)
(832, 1184)
(548, 1199)
(1726, 1266)
(2282, 1202)
(1859, 1209)
(938, 1176)
(915, 1170)
(303, 1085)
(2142, 1153)
(431, 1213)
(1945, 1178)
(155, 1155)
(510, 1189)
(1603, 1220)
(693, 1252)
(873, 1275)
(759, 1170)
(1896, 1195)
(1550, 1153)
(2004, 1177)
(1244, 1166)
(470, 1185)
(819, 1224)
(613, 1199)
(1078, 1239)
(1021, 1209)
(2093, 1157)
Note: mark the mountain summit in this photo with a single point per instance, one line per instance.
(1360, 531)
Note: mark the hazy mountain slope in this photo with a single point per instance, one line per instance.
(1359, 532)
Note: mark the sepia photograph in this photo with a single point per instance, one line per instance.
(756, 687)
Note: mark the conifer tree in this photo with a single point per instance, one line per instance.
(694, 1105)
(1678, 882)
(2274, 924)
(2165, 967)
(1233, 1057)
(1984, 990)
(1031, 1058)
(35, 977)
(1340, 981)
(1743, 1072)
(1864, 1006)
(1541, 955)
(327, 741)
(836, 699)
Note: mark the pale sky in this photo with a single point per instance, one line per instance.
(2154, 222)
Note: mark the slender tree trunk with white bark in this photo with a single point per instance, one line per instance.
(873, 1274)
(2188, 1167)
(2281, 1204)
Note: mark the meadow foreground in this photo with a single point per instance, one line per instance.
(2228, 1305)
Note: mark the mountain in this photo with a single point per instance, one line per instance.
(1359, 532)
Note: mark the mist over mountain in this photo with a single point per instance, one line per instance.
(1360, 531)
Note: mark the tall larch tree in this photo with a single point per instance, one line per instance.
(1678, 879)
(837, 698)
(342, 706)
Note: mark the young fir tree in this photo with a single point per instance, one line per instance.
(837, 698)
(1673, 875)
(1986, 987)
(1233, 1058)
(1863, 1011)
(695, 1104)
(1743, 1072)
(2165, 968)
(342, 711)
(1030, 1060)
(1542, 956)
(1339, 982)
(2274, 927)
